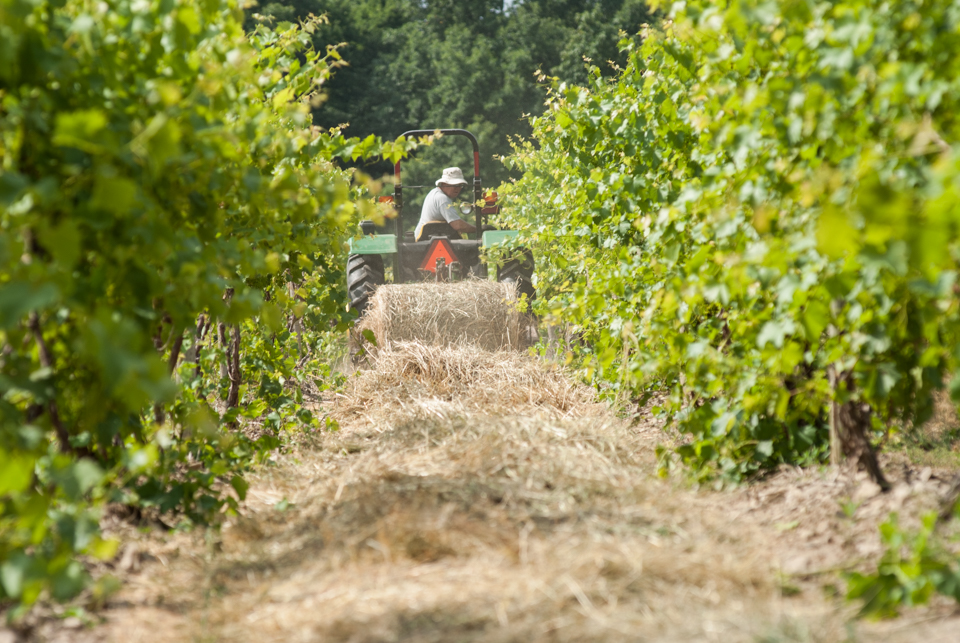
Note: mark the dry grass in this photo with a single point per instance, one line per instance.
(414, 379)
(476, 313)
(472, 496)
(488, 529)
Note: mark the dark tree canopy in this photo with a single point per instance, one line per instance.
(439, 63)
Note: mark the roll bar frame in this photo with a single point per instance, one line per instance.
(477, 186)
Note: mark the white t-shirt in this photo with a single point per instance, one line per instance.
(436, 207)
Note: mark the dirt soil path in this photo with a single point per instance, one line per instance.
(474, 496)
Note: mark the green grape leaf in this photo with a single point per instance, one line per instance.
(16, 472)
(18, 298)
(80, 129)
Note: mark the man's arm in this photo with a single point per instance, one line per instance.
(462, 226)
(448, 210)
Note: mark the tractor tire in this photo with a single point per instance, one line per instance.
(520, 271)
(364, 274)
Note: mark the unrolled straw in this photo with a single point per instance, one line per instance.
(405, 375)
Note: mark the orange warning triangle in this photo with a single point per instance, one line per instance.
(439, 249)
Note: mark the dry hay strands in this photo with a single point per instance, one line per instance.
(504, 382)
(474, 312)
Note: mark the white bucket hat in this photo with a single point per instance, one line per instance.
(452, 176)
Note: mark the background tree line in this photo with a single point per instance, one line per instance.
(438, 63)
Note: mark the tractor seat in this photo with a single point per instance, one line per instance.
(438, 229)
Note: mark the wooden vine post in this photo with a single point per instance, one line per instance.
(230, 366)
(849, 429)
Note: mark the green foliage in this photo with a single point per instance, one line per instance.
(153, 157)
(768, 191)
(442, 64)
(911, 570)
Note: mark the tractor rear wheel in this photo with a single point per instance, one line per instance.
(520, 271)
(364, 274)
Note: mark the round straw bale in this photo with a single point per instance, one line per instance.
(475, 313)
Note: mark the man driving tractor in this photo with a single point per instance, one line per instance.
(439, 213)
(414, 260)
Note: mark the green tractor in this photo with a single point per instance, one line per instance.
(440, 255)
